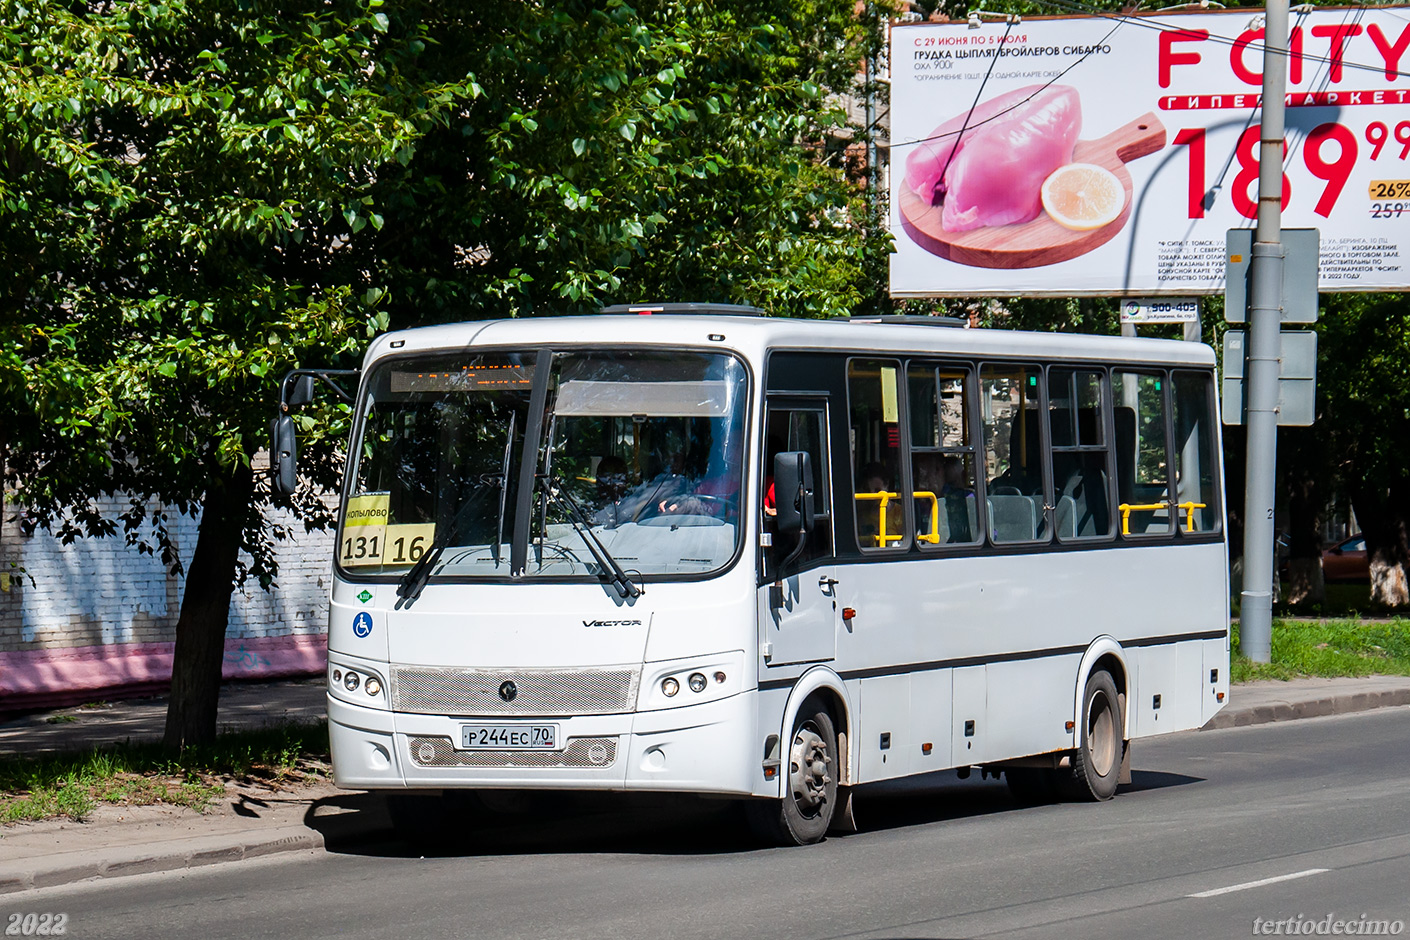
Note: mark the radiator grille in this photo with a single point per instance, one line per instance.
(435, 751)
(538, 692)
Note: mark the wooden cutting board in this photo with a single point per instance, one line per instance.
(1041, 241)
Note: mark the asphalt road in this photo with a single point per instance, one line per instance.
(1322, 805)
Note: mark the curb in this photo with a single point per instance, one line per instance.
(1343, 704)
(195, 852)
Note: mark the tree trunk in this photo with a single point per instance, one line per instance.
(1306, 584)
(1387, 579)
(1384, 515)
(1305, 581)
(205, 609)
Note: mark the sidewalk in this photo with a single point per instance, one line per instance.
(118, 841)
(244, 706)
(1256, 703)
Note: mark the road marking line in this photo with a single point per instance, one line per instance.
(1257, 884)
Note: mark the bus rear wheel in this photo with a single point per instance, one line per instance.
(1096, 763)
(805, 812)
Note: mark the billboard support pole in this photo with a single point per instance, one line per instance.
(1265, 348)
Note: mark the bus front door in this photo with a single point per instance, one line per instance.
(799, 615)
(798, 611)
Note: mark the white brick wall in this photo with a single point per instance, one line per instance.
(102, 592)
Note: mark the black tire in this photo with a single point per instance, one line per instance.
(1033, 786)
(805, 812)
(1096, 763)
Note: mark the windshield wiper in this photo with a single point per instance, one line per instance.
(414, 581)
(611, 572)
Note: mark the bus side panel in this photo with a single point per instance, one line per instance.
(970, 718)
(1216, 679)
(1169, 689)
(886, 740)
(1025, 720)
(931, 696)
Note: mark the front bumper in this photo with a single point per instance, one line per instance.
(702, 748)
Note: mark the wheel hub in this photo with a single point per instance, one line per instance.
(808, 770)
(1101, 735)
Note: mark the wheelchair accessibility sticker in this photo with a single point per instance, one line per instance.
(362, 624)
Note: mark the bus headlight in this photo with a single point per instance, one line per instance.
(664, 680)
(346, 681)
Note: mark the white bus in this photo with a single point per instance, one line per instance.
(689, 548)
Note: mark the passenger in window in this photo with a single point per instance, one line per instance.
(873, 478)
(955, 482)
(882, 511)
(957, 497)
(646, 498)
(717, 493)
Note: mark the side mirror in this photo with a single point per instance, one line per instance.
(284, 455)
(793, 492)
(300, 392)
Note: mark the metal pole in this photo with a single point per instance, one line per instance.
(1194, 330)
(1264, 348)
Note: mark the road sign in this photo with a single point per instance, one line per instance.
(1155, 310)
(1300, 247)
(1297, 378)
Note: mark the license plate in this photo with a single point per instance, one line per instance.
(509, 737)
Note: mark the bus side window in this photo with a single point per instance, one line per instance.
(1013, 452)
(1142, 460)
(1196, 490)
(942, 455)
(1077, 429)
(873, 390)
(800, 429)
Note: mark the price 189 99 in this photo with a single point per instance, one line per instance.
(1329, 153)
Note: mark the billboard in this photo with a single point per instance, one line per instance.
(1109, 155)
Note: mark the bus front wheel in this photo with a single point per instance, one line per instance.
(1096, 763)
(804, 813)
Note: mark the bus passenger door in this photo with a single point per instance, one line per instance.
(798, 603)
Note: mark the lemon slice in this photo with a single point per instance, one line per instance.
(1083, 196)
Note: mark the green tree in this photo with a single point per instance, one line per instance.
(1362, 432)
(196, 197)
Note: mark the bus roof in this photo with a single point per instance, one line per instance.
(755, 336)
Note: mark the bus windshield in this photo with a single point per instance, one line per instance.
(637, 459)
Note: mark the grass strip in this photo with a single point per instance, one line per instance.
(74, 784)
(1330, 649)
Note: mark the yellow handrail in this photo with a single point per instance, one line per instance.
(1190, 514)
(883, 498)
(1127, 508)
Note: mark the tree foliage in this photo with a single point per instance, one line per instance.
(1362, 432)
(196, 197)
